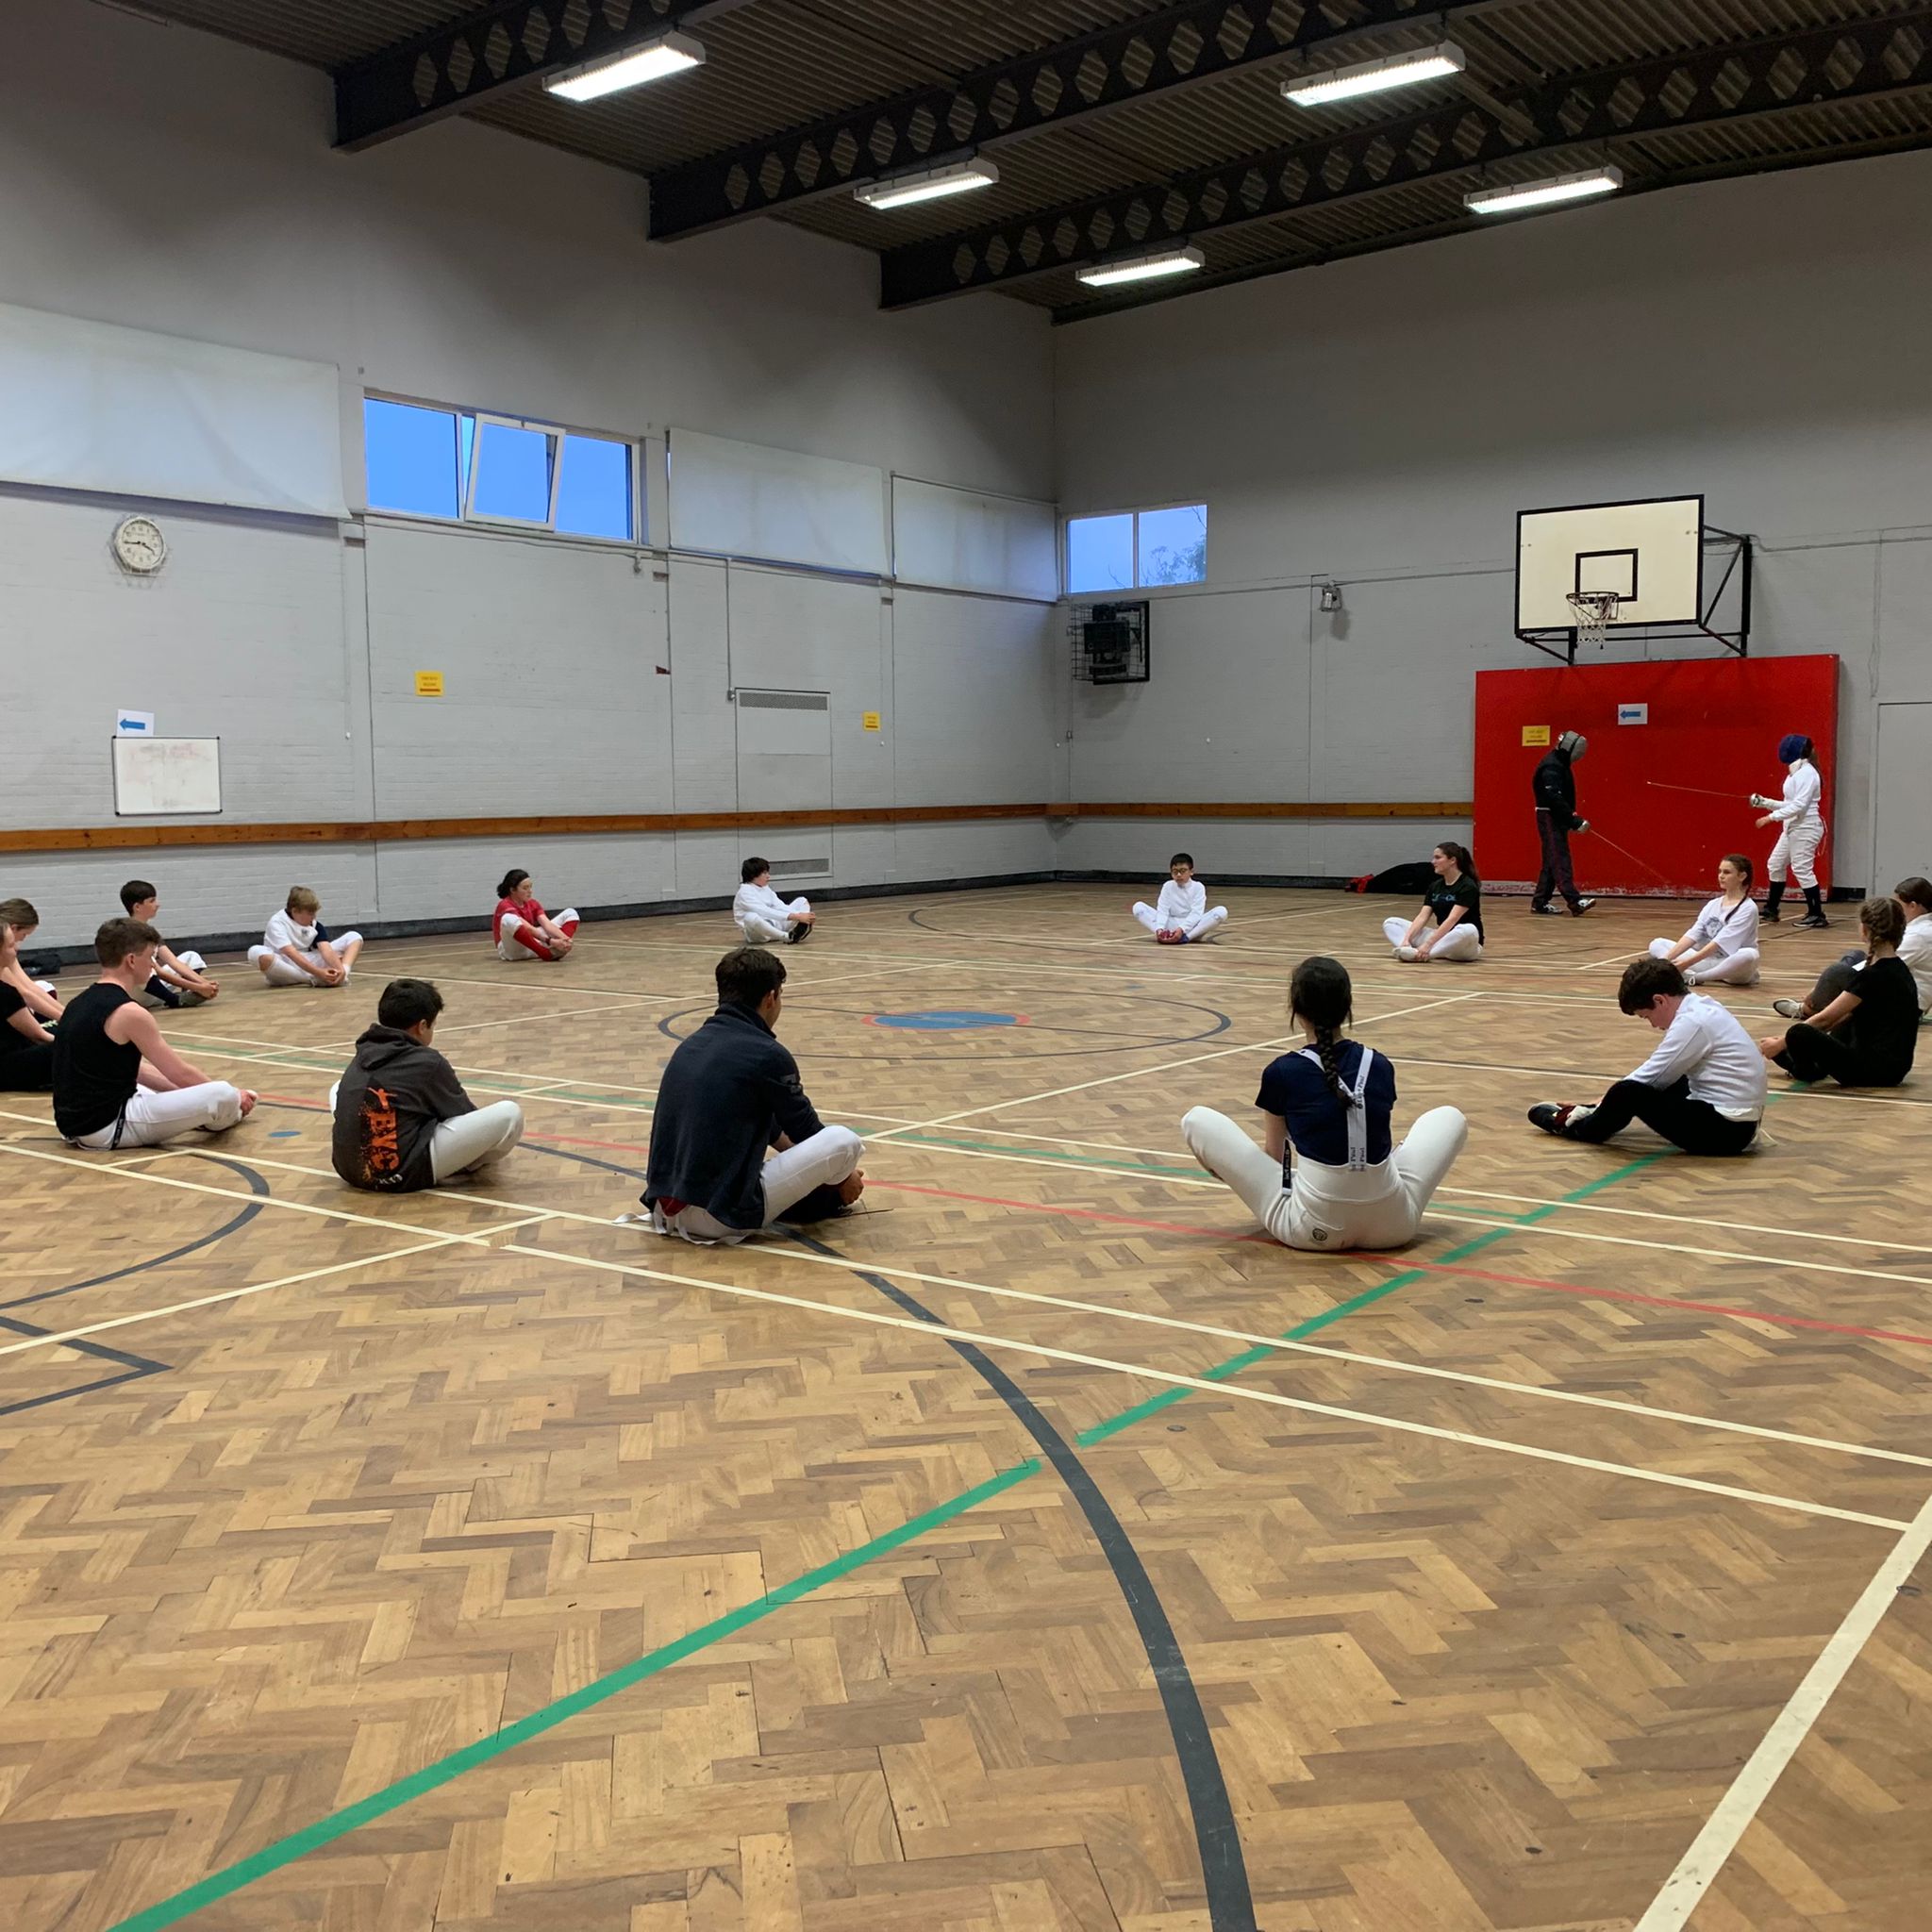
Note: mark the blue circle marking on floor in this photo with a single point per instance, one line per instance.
(285, 1134)
(945, 1020)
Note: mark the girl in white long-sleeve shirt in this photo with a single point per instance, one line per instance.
(1800, 819)
(1721, 941)
(763, 917)
(1181, 914)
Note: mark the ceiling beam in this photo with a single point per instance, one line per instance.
(1052, 87)
(494, 50)
(1770, 73)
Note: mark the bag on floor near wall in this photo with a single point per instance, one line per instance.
(40, 965)
(1415, 877)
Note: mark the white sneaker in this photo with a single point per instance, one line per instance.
(1405, 952)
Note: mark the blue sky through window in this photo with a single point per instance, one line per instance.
(411, 458)
(593, 495)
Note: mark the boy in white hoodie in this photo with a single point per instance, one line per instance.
(1181, 915)
(764, 917)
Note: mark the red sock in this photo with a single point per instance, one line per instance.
(568, 928)
(525, 936)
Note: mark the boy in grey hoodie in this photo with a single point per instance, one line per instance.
(402, 1118)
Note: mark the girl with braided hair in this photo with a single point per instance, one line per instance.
(1328, 1174)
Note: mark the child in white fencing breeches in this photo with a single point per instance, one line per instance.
(1450, 924)
(1721, 943)
(1181, 915)
(1330, 1176)
(763, 918)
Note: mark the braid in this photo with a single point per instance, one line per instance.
(1328, 1044)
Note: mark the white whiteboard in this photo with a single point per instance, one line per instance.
(162, 777)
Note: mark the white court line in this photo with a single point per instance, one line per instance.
(1683, 1890)
(530, 1215)
(1216, 1332)
(1239, 1391)
(1838, 1098)
(125, 1170)
(235, 1295)
(1168, 1067)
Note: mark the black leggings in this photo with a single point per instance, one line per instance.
(1841, 975)
(1695, 1125)
(28, 1068)
(1812, 1055)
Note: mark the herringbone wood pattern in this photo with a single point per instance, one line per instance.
(355, 1494)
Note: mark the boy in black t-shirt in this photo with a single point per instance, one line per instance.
(1450, 926)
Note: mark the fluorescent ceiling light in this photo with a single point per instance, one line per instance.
(1551, 188)
(1373, 77)
(1143, 268)
(929, 184)
(667, 54)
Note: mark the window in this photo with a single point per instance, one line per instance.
(1131, 549)
(464, 466)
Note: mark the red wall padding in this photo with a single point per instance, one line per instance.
(1714, 723)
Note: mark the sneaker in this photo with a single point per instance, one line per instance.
(1550, 910)
(798, 935)
(1814, 921)
(1789, 1009)
(1769, 916)
(1405, 952)
(1582, 906)
(1555, 1118)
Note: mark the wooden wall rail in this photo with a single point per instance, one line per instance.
(400, 831)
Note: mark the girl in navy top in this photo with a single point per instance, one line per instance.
(1328, 1174)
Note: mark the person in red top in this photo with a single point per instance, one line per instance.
(522, 929)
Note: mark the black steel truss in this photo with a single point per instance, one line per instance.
(1768, 75)
(508, 44)
(1171, 48)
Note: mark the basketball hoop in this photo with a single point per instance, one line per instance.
(1596, 610)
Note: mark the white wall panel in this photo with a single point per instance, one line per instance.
(742, 499)
(963, 540)
(92, 406)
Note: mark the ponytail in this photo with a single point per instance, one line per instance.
(1465, 859)
(1320, 993)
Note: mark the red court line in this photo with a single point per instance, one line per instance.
(1375, 1260)
(1404, 1263)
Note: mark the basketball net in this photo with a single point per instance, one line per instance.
(1596, 610)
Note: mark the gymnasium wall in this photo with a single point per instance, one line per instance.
(170, 181)
(1380, 421)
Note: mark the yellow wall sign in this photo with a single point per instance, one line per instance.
(871, 721)
(429, 684)
(1536, 734)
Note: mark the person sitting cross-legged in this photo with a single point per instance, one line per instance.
(734, 1144)
(402, 1118)
(1704, 1086)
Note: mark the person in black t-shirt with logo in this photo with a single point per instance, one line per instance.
(1868, 1035)
(27, 1048)
(1450, 926)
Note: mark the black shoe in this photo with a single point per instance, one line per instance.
(1582, 906)
(1549, 910)
(1814, 921)
(798, 935)
(1769, 916)
(1554, 1119)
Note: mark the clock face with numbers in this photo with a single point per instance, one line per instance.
(138, 545)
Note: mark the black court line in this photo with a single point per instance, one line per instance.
(133, 1368)
(1223, 1867)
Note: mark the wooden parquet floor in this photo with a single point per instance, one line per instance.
(1040, 1548)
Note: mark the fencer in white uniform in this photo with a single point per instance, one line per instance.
(763, 918)
(1721, 943)
(1181, 914)
(1800, 819)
